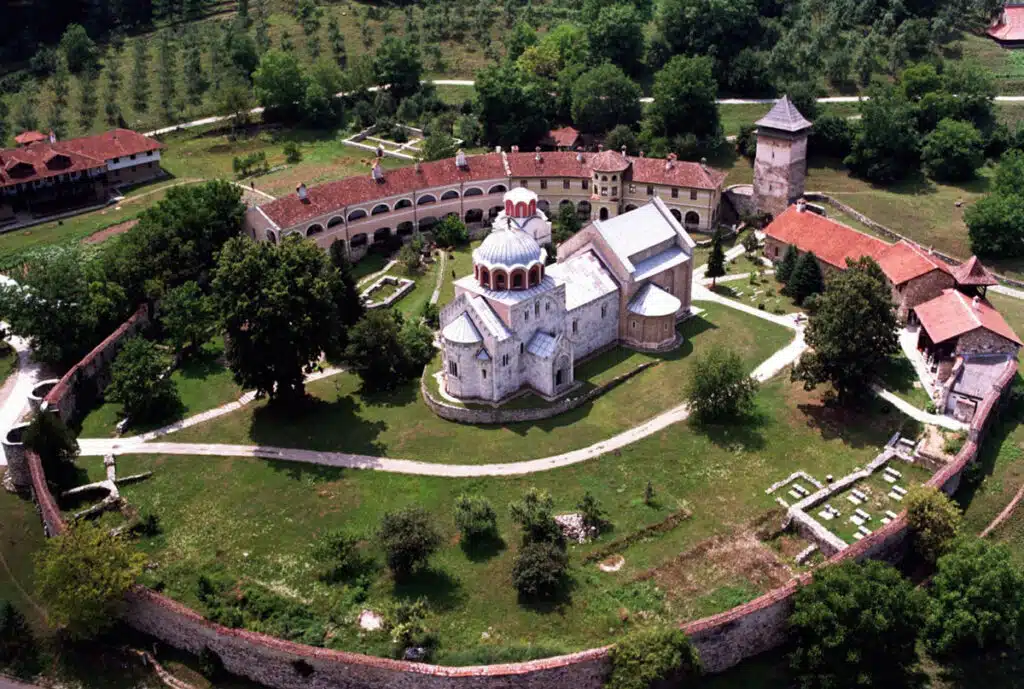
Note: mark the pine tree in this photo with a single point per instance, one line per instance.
(784, 270)
(806, 279)
(716, 261)
(140, 77)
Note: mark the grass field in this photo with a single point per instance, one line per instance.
(268, 514)
(203, 382)
(735, 116)
(398, 424)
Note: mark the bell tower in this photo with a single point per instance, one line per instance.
(780, 166)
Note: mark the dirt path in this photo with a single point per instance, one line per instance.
(103, 235)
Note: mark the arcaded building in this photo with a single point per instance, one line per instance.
(517, 323)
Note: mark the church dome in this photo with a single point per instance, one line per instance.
(508, 248)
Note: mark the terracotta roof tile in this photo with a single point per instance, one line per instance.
(1009, 26)
(952, 314)
(680, 174)
(831, 241)
(973, 273)
(116, 143)
(26, 138)
(564, 136)
(551, 164)
(903, 262)
(334, 196)
(609, 161)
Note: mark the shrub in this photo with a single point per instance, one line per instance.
(450, 232)
(953, 443)
(538, 570)
(534, 514)
(408, 540)
(933, 519)
(139, 380)
(337, 552)
(954, 151)
(831, 136)
(977, 600)
(647, 657)
(719, 387)
(292, 154)
(475, 518)
(17, 645)
(409, 631)
(431, 316)
(593, 516)
(55, 443)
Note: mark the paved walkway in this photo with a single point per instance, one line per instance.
(1008, 291)
(793, 321)
(919, 414)
(440, 277)
(15, 392)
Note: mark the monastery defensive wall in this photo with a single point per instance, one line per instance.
(722, 640)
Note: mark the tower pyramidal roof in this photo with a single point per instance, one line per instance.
(784, 116)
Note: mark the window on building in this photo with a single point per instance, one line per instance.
(536, 308)
(131, 157)
(650, 190)
(565, 184)
(115, 160)
(632, 188)
(575, 327)
(775, 251)
(526, 316)
(504, 359)
(522, 347)
(615, 191)
(543, 184)
(665, 326)
(149, 165)
(483, 372)
(675, 193)
(453, 368)
(604, 191)
(632, 325)
(615, 178)
(547, 306)
(604, 310)
(693, 194)
(583, 185)
(524, 184)
(604, 178)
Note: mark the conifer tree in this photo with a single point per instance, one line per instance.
(716, 261)
(806, 279)
(784, 270)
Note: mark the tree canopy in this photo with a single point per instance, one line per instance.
(384, 351)
(603, 98)
(616, 35)
(647, 657)
(954, 151)
(510, 103)
(719, 388)
(398, 64)
(141, 382)
(995, 223)
(684, 99)
(851, 333)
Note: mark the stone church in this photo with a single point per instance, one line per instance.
(518, 323)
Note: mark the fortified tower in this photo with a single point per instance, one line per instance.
(780, 166)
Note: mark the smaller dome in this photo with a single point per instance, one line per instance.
(461, 331)
(609, 161)
(520, 203)
(508, 248)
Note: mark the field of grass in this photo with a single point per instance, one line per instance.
(268, 514)
(203, 382)
(735, 116)
(398, 424)
(1006, 66)
(900, 378)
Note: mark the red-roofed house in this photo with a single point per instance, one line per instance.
(914, 274)
(42, 177)
(1008, 28)
(564, 139)
(26, 138)
(373, 207)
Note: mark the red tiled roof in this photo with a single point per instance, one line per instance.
(973, 273)
(681, 174)
(85, 153)
(565, 136)
(903, 262)
(333, 196)
(831, 241)
(1010, 25)
(26, 138)
(609, 161)
(953, 313)
(551, 164)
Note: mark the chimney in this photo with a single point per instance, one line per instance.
(641, 154)
(579, 154)
(377, 173)
(704, 164)
(537, 156)
(460, 160)
(497, 149)
(515, 149)
(976, 303)
(301, 191)
(600, 147)
(418, 167)
(624, 151)
(801, 206)
(670, 161)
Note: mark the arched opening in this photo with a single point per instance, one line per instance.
(381, 235)
(692, 220)
(604, 178)
(357, 241)
(380, 208)
(449, 195)
(314, 229)
(497, 189)
(677, 215)
(630, 207)
(499, 280)
(335, 221)
(426, 199)
(485, 277)
(565, 202)
(562, 372)
(339, 241)
(583, 210)
(521, 209)
(427, 222)
(493, 212)
(272, 237)
(403, 203)
(473, 191)
(544, 206)
(356, 215)
(474, 215)
(603, 214)
(518, 278)
(535, 276)
(509, 208)
(405, 228)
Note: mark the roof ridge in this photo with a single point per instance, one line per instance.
(969, 307)
(504, 163)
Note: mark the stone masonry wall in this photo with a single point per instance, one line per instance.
(920, 290)
(722, 640)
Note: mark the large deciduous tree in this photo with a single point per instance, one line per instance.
(851, 333)
(995, 223)
(720, 28)
(684, 99)
(408, 539)
(856, 625)
(603, 98)
(887, 146)
(616, 35)
(953, 152)
(511, 105)
(81, 577)
(278, 82)
(719, 388)
(187, 316)
(398, 64)
(140, 381)
(384, 351)
(933, 520)
(277, 307)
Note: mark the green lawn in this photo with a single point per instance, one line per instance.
(8, 361)
(203, 383)
(900, 378)
(761, 293)
(398, 424)
(267, 514)
(460, 261)
(733, 117)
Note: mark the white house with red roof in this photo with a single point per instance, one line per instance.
(44, 176)
(363, 210)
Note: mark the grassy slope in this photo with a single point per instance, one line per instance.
(397, 424)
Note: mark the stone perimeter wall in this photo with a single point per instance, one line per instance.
(500, 416)
(722, 640)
